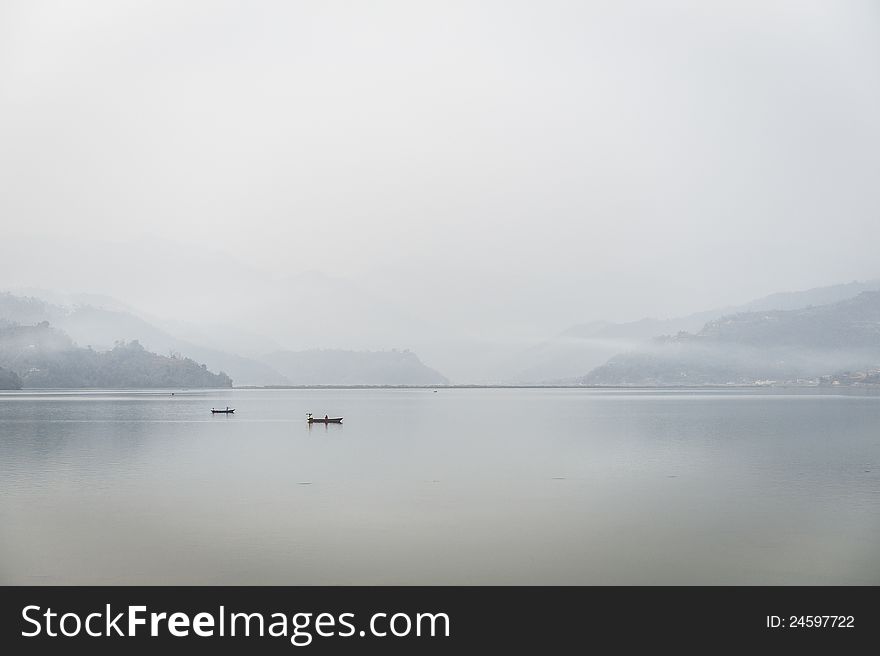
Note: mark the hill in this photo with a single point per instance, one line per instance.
(584, 346)
(747, 347)
(44, 357)
(100, 327)
(337, 367)
(9, 380)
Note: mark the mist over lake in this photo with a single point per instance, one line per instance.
(494, 486)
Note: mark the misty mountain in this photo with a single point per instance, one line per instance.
(27, 309)
(101, 322)
(101, 327)
(45, 357)
(585, 346)
(217, 337)
(802, 299)
(302, 309)
(72, 299)
(337, 367)
(313, 310)
(9, 380)
(776, 345)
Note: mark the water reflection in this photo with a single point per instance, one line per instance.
(468, 486)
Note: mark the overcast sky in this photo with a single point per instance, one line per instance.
(495, 168)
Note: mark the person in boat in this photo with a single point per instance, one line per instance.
(326, 417)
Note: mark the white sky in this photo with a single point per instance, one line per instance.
(492, 168)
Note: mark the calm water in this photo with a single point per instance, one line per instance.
(457, 486)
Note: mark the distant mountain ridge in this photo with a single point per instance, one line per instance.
(585, 346)
(339, 367)
(706, 346)
(650, 327)
(9, 380)
(847, 324)
(41, 356)
(101, 328)
(747, 347)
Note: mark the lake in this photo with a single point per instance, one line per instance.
(458, 486)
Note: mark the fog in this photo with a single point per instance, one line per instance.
(459, 178)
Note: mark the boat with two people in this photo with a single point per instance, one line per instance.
(326, 419)
(228, 411)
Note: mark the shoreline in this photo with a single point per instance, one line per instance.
(634, 388)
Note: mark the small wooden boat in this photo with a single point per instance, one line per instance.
(324, 420)
(228, 411)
